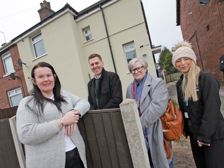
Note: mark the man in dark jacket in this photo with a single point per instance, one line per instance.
(104, 89)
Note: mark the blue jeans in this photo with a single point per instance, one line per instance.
(171, 164)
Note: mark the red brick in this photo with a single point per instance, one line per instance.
(203, 26)
(6, 84)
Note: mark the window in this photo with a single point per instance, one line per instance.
(7, 63)
(38, 45)
(129, 50)
(15, 96)
(87, 33)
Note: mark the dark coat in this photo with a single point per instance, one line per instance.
(205, 121)
(110, 95)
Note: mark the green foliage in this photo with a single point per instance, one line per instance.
(165, 61)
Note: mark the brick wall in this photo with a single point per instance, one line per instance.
(6, 83)
(203, 26)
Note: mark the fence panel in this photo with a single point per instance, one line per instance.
(8, 157)
(105, 139)
(8, 112)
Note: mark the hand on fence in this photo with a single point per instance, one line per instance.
(69, 121)
(71, 117)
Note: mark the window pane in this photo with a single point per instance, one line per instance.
(131, 54)
(38, 46)
(37, 38)
(8, 64)
(129, 46)
(16, 99)
(15, 96)
(129, 50)
(87, 33)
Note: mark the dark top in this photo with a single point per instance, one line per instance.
(110, 91)
(205, 121)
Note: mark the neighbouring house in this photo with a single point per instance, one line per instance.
(12, 82)
(116, 29)
(202, 24)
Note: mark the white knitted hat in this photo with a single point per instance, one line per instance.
(183, 52)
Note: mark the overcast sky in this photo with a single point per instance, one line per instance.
(16, 16)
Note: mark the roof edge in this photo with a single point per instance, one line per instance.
(178, 12)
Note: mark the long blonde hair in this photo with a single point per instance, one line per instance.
(190, 82)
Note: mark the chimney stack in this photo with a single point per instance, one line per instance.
(45, 10)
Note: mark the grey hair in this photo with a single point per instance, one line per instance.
(141, 60)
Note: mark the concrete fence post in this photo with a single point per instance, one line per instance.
(18, 145)
(134, 134)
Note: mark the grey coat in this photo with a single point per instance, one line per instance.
(43, 140)
(153, 104)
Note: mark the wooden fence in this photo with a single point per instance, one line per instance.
(111, 141)
(105, 139)
(8, 154)
(8, 112)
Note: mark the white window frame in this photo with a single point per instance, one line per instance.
(129, 48)
(38, 39)
(87, 33)
(14, 93)
(8, 66)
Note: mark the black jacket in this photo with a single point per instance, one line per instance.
(110, 95)
(205, 121)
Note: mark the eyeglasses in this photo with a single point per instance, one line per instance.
(137, 69)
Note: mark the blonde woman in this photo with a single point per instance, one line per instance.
(198, 96)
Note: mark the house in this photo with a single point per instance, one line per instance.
(115, 29)
(13, 87)
(202, 24)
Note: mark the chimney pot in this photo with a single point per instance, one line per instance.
(45, 10)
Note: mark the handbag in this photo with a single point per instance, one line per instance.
(167, 149)
(172, 122)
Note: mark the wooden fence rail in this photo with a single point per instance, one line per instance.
(8, 112)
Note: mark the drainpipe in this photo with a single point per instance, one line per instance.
(108, 38)
(147, 29)
(199, 52)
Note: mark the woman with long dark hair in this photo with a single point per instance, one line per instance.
(47, 123)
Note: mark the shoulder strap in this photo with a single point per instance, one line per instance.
(133, 89)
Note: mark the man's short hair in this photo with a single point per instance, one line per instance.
(95, 55)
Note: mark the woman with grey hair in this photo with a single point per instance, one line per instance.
(198, 97)
(151, 96)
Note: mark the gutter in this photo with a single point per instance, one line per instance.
(147, 29)
(177, 12)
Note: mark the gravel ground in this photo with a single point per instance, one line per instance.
(182, 154)
(181, 149)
